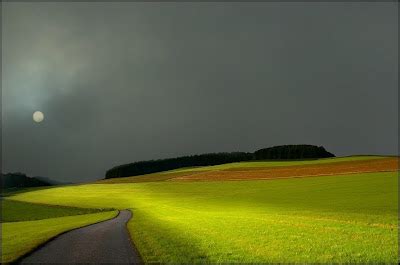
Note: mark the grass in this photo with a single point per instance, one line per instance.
(19, 238)
(15, 211)
(339, 219)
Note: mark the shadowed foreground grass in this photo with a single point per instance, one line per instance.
(15, 211)
(18, 238)
(347, 218)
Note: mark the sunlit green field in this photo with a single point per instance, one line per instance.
(19, 238)
(347, 218)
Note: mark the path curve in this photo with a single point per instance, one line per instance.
(104, 242)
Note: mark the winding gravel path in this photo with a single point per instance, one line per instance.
(105, 242)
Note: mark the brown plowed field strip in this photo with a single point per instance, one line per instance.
(339, 168)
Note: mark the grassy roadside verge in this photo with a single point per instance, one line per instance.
(19, 238)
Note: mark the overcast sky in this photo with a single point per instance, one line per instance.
(121, 82)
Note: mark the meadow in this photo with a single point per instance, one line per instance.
(348, 218)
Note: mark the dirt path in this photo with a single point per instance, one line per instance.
(329, 169)
(105, 242)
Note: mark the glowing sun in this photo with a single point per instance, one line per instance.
(38, 116)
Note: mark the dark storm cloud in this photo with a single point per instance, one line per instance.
(120, 82)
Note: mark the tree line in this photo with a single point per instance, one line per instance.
(20, 180)
(292, 152)
(283, 152)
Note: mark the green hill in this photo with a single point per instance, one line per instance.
(282, 152)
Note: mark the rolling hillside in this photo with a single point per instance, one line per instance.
(282, 152)
(271, 169)
(348, 215)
